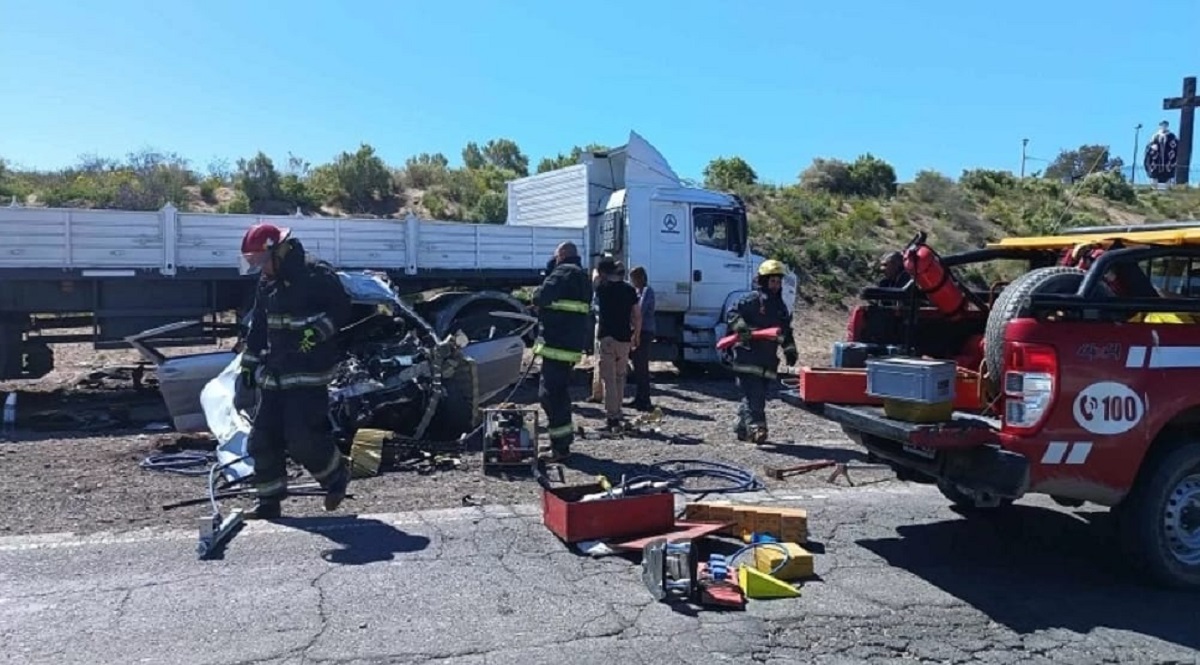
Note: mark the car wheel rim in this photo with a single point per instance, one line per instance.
(1181, 521)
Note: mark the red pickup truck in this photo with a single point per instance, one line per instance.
(1088, 368)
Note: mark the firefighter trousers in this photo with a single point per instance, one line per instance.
(555, 396)
(295, 422)
(752, 412)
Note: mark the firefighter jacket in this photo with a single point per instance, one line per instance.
(759, 310)
(564, 310)
(296, 317)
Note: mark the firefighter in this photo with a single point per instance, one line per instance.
(563, 302)
(754, 361)
(290, 355)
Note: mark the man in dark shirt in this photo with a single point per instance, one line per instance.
(640, 354)
(620, 325)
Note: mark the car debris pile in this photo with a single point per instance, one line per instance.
(714, 554)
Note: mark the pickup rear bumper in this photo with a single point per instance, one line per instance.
(965, 451)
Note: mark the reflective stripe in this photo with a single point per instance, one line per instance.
(249, 359)
(753, 370)
(789, 347)
(540, 349)
(297, 380)
(561, 431)
(324, 326)
(335, 463)
(271, 488)
(574, 306)
(288, 322)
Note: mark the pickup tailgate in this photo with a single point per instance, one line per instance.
(963, 431)
(963, 451)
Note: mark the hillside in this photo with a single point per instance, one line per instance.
(830, 225)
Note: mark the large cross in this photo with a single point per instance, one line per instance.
(1187, 124)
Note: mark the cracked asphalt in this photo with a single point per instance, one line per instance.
(900, 577)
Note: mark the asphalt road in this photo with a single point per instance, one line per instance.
(901, 577)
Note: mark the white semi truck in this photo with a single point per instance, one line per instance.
(119, 272)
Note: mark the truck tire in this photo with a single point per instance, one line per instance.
(1154, 519)
(1013, 303)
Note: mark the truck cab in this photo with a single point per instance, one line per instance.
(693, 243)
(1085, 394)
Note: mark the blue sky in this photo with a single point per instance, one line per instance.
(942, 84)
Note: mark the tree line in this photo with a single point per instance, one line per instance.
(361, 183)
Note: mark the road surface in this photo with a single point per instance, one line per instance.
(901, 577)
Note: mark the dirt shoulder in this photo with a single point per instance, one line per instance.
(79, 470)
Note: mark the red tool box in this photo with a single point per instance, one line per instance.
(573, 520)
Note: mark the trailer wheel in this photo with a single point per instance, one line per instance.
(1159, 522)
(1013, 303)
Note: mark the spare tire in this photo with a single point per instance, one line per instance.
(1013, 303)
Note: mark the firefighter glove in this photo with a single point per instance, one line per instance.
(744, 335)
(791, 357)
(308, 340)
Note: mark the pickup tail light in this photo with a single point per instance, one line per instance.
(1030, 385)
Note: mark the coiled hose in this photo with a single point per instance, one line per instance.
(187, 463)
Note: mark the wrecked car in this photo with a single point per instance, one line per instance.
(396, 374)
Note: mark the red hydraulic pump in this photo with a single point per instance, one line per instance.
(764, 335)
(933, 279)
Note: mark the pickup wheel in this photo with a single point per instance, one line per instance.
(1013, 303)
(964, 501)
(1159, 522)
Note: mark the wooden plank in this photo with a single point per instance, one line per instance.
(684, 530)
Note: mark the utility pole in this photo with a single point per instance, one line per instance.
(1024, 142)
(1137, 131)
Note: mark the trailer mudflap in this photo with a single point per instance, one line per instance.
(964, 451)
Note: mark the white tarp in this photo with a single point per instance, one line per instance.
(227, 423)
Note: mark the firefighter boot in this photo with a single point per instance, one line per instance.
(265, 509)
(335, 492)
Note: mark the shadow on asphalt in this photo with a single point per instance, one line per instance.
(362, 541)
(1033, 568)
(805, 453)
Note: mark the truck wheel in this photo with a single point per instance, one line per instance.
(963, 500)
(1160, 520)
(1013, 303)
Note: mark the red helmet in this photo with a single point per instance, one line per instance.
(258, 243)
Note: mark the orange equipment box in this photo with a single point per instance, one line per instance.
(841, 385)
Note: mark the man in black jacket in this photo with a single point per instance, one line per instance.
(755, 361)
(563, 302)
(291, 355)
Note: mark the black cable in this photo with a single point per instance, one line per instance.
(740, 479)
(188, 463)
